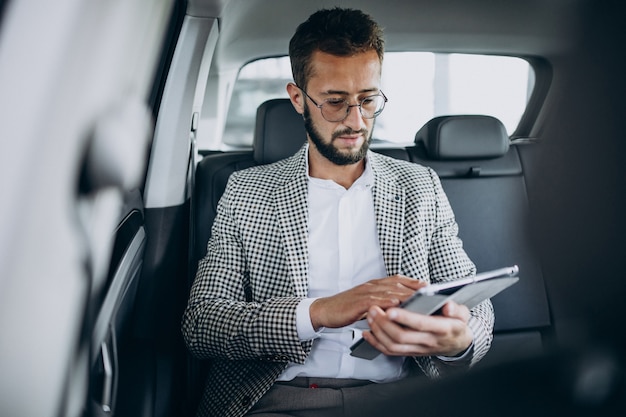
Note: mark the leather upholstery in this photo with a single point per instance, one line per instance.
(463, 137)
(277, 120)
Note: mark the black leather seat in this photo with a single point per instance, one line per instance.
(483, 177)
(278, 134)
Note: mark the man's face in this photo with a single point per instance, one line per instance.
(349, 78)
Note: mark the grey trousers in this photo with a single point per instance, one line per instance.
(321, 397)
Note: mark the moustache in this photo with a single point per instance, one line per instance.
(347, 132)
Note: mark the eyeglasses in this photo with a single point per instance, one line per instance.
(337, 109)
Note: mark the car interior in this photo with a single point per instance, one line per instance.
(115, 153)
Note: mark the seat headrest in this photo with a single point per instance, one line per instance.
(279, 131)
(463, 137)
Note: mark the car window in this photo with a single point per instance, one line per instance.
(419, 86)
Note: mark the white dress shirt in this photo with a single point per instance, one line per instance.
(343, 252)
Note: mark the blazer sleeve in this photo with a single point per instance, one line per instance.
(447, 260)
(221, 320)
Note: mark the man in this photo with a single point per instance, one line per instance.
(312, 252)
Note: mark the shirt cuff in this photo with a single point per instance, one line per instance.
(458, 357)
(303, 320)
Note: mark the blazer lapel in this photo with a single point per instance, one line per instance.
(290, 200)
(389, 206)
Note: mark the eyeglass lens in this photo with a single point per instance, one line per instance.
(337, 110)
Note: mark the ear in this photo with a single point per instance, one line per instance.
(296, 97)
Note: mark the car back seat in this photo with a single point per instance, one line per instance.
(483, 177)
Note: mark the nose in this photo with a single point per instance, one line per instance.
(355, 119)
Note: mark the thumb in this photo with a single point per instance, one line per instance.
(456, 311)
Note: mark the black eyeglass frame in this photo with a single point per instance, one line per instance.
(376, 114)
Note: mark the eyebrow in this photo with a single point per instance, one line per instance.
(345, 93)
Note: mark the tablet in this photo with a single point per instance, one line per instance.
(468, 291)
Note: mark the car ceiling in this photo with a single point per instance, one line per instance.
(251, 29)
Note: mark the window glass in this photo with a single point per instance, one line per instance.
(419, 86)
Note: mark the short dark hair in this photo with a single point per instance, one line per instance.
(336, 31)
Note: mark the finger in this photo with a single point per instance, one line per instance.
(394, 340)
(415, 321)
(390, 291)
(433, 325)
(389, 331)
(376, 336)
(402, 287)
(402, 280)
(391, 349)
(440, 334)
(413, 284)
(384, 301)
(456, 311)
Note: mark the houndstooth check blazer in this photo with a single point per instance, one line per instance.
(241, 310)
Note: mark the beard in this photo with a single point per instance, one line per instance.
(328, 150)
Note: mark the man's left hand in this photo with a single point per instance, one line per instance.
(399, 332)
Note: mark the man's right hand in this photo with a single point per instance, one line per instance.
(352, 305)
